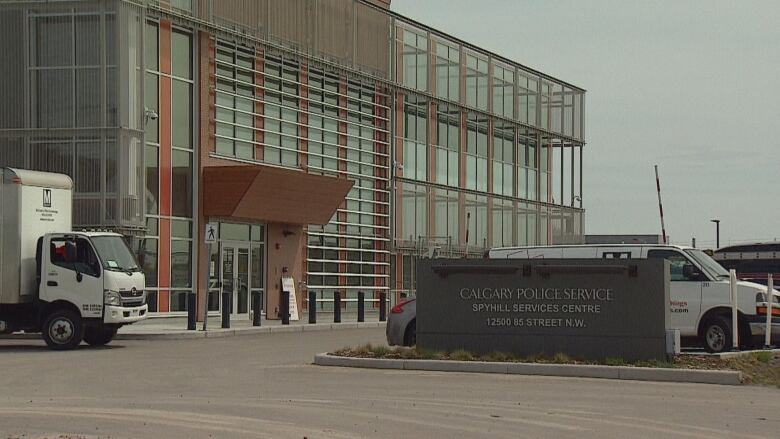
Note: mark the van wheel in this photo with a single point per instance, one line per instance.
(410, 336)
(99, 336)
(63, 330)
(717, 335)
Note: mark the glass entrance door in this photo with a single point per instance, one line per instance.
(235, 278)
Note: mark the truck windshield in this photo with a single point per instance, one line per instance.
(708, 264)
(114, 253)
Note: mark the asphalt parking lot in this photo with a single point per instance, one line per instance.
(264, 385)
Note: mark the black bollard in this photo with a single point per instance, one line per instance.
(192, 310)
(336, 307)
(312, 307)
(382, 307)
(361, 306)
(226, 302)
(284, 306)
(257, 308)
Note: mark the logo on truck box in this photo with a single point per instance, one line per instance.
(47, 198)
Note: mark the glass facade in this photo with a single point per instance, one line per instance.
(500, 164)
(306, 115)
(452, 149)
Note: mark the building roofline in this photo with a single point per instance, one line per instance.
(468, 45)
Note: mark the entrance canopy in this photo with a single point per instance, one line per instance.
(265, 193)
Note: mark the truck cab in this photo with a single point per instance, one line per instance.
(699, 290)
(68, 285)
(94, 274)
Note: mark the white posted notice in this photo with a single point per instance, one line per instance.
(288, 284)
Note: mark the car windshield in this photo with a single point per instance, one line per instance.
(114, 253)
(707, 263)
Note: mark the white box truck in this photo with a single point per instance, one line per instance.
(699, 290)
(69, 286)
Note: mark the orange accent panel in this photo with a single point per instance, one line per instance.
(164, 301)
(165, 46)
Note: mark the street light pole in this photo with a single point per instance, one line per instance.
(717, 233)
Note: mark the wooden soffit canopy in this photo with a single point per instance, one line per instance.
(270, 194)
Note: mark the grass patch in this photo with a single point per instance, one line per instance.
(764, 357)
(757, 368)
(501, 357)
(615, 361)
(461, 355)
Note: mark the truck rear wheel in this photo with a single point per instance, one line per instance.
(717, 335)
(99, 336)
(63, 330)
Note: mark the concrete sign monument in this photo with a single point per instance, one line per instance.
(588, 308)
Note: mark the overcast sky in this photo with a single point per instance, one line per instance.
(692, 86)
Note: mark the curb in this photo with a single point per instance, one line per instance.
(252, 330)
(724, 355)
(724, 377)
(220, 333)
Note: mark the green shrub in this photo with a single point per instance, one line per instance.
(380, 351)
(461, 355)
(428, 354)
(498, 356)
(363, 350)
(614, 361)
(561, 358)
(764, 357)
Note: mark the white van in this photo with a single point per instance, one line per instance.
(700, 299)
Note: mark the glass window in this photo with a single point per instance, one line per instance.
(181, 114)
(181, 229)
(85, 260)
(476, 82)
(53, 98)
(152, 179)
(87, 41)
(88, 98)
(181, 55)
(527, 97)
(503, 160)
(680, 267)
(503, 91)
(146, 252)
(476, 153)
(151, 49)
(181, 264)
(52, 41)
(447, 71)
(414, 59)
(152, 103)
(182, 183)
(234, 232)
(415, 135)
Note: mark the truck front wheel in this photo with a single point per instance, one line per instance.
(63, 330)
(717, 335)
(99, 336)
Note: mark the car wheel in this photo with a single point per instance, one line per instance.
(99, 336)
(717, 335)
(63, 330)
(410, 336)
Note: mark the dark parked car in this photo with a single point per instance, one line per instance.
(402, 324)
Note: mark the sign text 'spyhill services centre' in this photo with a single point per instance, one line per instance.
(585, 308)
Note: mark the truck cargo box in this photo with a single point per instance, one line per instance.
(32, 204)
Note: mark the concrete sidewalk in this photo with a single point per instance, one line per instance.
(175, 328)
(172, 328)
